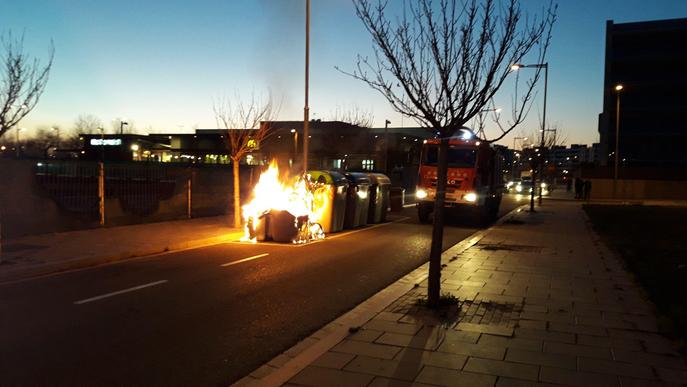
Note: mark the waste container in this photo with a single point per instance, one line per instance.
(334, 209)
(379, 197)
(397, 198)
(357, 199)
(282, 226)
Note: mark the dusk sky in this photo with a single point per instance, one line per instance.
(161, 64)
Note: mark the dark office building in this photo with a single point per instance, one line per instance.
(649, 59)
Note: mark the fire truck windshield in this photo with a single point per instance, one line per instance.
(457, 157)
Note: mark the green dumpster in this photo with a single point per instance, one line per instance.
(379, 197)
(332, 200)
(357, 199)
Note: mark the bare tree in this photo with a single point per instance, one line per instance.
(247, 125)
(441, 62)
(554, 136)
(22, 81)
(124, 126)
(87, 124)
(354, 115)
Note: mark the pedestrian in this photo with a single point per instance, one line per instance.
(568, 185)
(578, 188)
(587, 189)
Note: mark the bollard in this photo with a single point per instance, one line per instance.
(189, 203)
(101, 191)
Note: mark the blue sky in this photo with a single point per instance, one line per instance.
(161, 64)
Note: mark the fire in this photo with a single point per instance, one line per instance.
(286, 206)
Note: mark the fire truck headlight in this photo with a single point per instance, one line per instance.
(420, 194)
(471, 197)
(518, 188)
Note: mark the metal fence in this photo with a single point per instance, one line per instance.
(112, 191)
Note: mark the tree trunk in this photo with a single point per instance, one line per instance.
(434, 290)
(237, 194)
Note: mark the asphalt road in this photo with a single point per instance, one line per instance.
(185, 319)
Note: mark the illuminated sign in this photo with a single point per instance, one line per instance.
(106, 141)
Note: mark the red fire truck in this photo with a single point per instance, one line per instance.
(474, 180)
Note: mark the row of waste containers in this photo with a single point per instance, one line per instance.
(359, 199)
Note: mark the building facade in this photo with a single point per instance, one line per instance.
(648, 59)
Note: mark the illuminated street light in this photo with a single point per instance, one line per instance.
(57, 134)
(545, 66)
(618, 88)
(16, 145)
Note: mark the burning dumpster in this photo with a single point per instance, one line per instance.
(285, 208)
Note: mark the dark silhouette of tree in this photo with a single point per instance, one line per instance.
(87, 124)
(247, 125)
(354, 115)
(441, 63)
(22, 81)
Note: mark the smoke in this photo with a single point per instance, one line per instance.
(280, 53)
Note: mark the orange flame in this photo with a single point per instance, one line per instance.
(308, 202)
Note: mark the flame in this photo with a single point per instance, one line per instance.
(309, 203)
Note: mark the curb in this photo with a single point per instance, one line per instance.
(288, 364)
(41, 270)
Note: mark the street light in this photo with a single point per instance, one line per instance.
(618, 88)
(295, 142)
(515, 139)
(545, 66)
(306, 109)
(121, 127)
(16, 143)
(57, 134)
(386, 145)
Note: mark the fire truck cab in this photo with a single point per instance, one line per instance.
(474, 179)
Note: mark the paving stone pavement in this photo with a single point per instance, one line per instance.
(540, 300)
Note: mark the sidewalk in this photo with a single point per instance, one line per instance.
(49, 253)
(561, 194)
(541, 300)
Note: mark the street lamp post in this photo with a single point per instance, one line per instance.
(386, 146)
(295, 143)
(541, 164)
(545, 66)
(618, 89)
(57, 135)
(16, 142)
(306, 109)
(121, 127)
(513, 165)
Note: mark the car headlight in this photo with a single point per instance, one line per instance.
(543, 185)
(518, 188)
(420, 194)
(509, 184)
(471, 197)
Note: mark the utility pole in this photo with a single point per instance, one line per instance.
(306, 109)
(16, 142)
(386, 146)
(618, 89)
(545, 66)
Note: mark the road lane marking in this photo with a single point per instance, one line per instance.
(409, 205)
(244, 260)
(96, 298)
(327, 236)
(337, 235)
